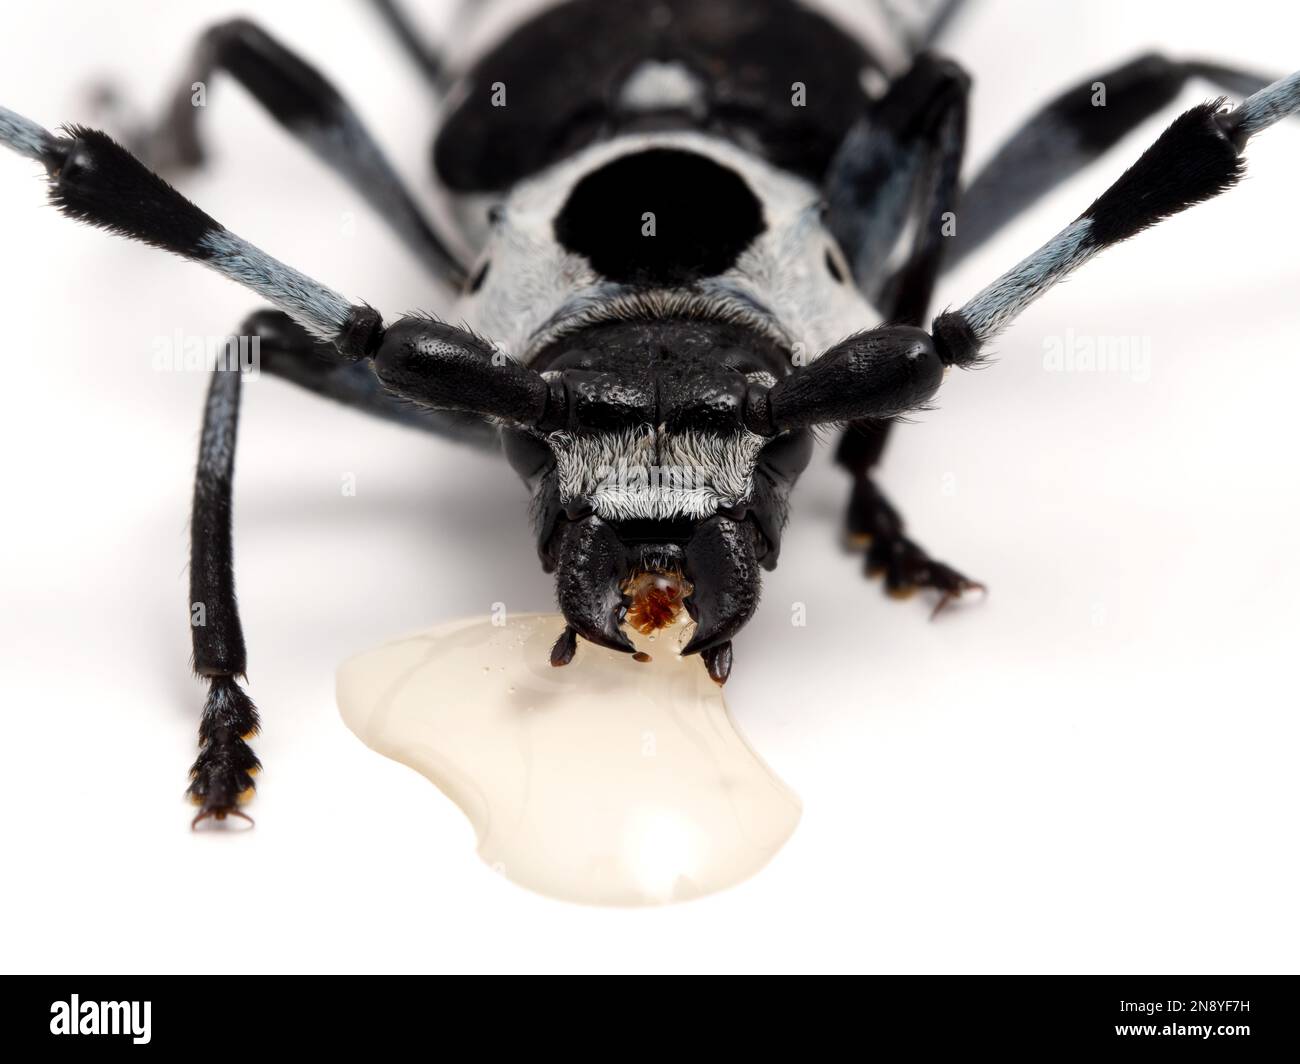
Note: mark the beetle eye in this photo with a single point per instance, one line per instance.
(833, 266)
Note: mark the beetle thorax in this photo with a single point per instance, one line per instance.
(781, 268)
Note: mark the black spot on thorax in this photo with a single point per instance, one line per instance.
(660, 216)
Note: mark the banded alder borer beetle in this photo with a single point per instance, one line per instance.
(712, 229)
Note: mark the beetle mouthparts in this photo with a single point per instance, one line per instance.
(656, 599)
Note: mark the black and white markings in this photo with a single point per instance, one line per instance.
(311, 109)
(644, 473)
(321, 311)
(24, 136)
(770, 262)
(660, 216)
(1271, 104)
(1196, 158)
(97, 181)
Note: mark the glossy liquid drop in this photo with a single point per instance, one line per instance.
(608, 781)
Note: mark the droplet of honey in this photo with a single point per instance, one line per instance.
(607, 781)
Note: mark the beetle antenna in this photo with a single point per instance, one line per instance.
(1195, 159)
(95, 180)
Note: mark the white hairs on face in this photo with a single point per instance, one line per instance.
(649, 473)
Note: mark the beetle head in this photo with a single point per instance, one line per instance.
(660, 453)
(654, 496)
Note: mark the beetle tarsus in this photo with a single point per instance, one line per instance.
(907, 568)
(218, 813)
(876, 528)
(949, 597)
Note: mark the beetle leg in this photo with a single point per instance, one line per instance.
(221, 778)
(899, 165)
(412, 42)
(876, 527)
(311, 109)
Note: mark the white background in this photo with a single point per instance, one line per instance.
(1092, 771)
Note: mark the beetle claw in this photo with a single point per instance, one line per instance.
(218, 812)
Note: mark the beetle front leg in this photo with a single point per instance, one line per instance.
(876, 527)
(221, 779)
(920, 129)
(896, 169)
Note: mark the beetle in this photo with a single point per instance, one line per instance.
(705, 235)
